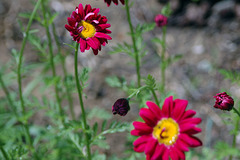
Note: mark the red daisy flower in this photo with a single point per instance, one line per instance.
(114, 1)
(88, 28)
(167, 132)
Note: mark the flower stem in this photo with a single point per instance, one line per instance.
(136, 92)
(163, 64)
(68, 91)
(4, 153)
(79, 89)
(155, 96)
(52, 63)
(235, 131)
(19, 76)
(236, 111)
(134, 43)
(11, 104)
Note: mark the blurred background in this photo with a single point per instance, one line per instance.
(205, 33)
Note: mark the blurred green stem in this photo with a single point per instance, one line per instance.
(79, 89)
(163, 63)
(7, 95)
(63, 58)
(237, 120)
(19, 76)
(52, 63)
(236, 111)
(155, 96)
(4, 153)
(134, 43)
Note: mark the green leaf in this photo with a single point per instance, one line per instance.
(104, 124)
(113, 81)
(233, 76)
(95, 129)
(50, 21)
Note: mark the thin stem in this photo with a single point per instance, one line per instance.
(134, 43)
(79, 89)
(155, 96)
(19, 77)
(4, 153)
(68, 91)
(52, 63)
(235, 131)
(163, 64)
(236, 111)
(136, 92)
(11, 104)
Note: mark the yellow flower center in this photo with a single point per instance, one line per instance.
(166, 131)
(88, 30)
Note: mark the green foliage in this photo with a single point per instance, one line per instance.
(233, 76)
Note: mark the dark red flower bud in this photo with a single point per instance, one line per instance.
(224, 101)
(160, 20)
(121, 107)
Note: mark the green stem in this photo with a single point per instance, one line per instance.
(4, 153)
(163, 64)
(235, 131)
(79, 89)
(155, 96)
(236, 111)
(11, 104)
(19, 77)
(136, 92)
(52, 63)
(68, 91)
(134, 43)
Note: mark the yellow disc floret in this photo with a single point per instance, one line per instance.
(88, 30)
(166, 131)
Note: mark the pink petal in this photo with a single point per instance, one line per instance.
(178, 153)
(173, 154)
(181, 145)
(154, 109)
(102, 35)
(80, 10)
(135, 132)
(95, 52)
(104, 26)
(83, 44)
(188, 114)
(91, 43)
(191, 121)
(150, 146)
(142, 127)
(148, 117)
(69, 28)
(179, 108)
(140, 143)
(158, 153)
(165, 155)
(167, 106)
(190, 140)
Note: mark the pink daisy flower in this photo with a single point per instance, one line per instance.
(114, 1)
(167, 132)
(88, 28)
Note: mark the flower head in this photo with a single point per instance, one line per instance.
(114, 1)
(160, 20)
(224, 101)
(88, 28)
(166, 132)
(121, 107)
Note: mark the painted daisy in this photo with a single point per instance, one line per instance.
(114, 1)
(88, 28)
(167, 132)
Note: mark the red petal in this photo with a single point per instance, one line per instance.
(150, 146)
(71, 21)
(165, 155)
(140, 143)
(179, 108)
(91, 43)
(190, 140)
(188, 114)
(148, 117)
(83, 44)
(159, 150)
(181, 145)
(191, 121)
(142, 127)
(154, 109)
(102, 35)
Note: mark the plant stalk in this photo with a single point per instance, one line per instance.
(79, 89)
(4, 153)
(134, 43)
(163, 64)
(19, 76)
(52, 63)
